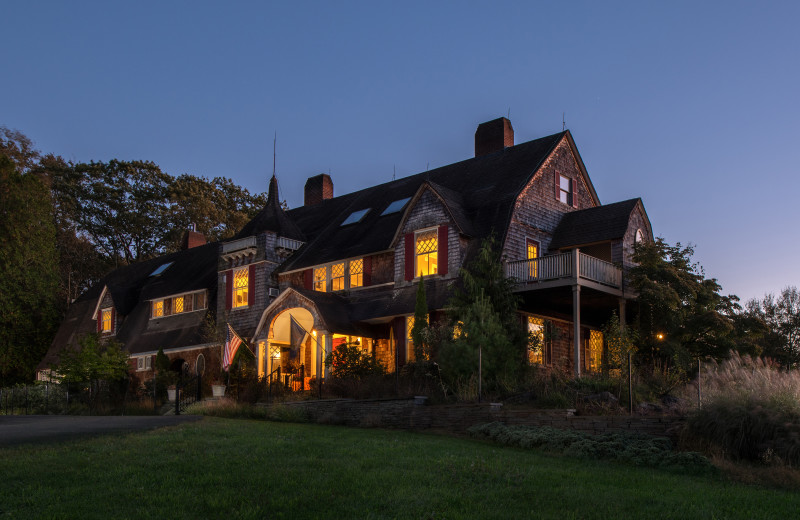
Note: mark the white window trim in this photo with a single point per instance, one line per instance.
(329, 275)
(144, 363)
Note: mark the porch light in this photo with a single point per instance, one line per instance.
(659, 336)
(314, 333)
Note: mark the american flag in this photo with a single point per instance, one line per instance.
(232, 342)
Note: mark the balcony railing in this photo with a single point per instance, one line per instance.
(563, 265)
(238, 245)
(288, 243)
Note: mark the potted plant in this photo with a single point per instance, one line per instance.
(217, 388)
(171, 393)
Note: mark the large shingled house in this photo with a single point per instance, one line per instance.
(345, 268)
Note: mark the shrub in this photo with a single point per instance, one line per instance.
(639, 450)
(750, 411)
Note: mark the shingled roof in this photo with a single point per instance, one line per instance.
(483, 188)
(592, 225)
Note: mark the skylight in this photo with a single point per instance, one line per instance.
(395, 206)
(161, 269)
(355, 216)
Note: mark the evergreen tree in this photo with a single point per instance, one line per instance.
(418, 338)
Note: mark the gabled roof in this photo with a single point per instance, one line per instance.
(480, 193)
(272, 218)
(592, 225)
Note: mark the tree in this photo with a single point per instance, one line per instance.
(349, 362)
(92, 365)
(779, 318)
(28, 272)
(681, 313)
(218, 207)
(421, 352)
(485, 312)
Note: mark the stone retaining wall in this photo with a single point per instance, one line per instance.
(407, 414)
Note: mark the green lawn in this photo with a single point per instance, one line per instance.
(219, 468)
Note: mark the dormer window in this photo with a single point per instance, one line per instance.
(566, 190)
(178, 304)
(427, 246)
(356, 273)
(106, 325)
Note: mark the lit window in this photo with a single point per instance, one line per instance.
(177, 306)
(357, 272)
(320, 279)
(106, 321)
(427, 256)
(409, 341)
(337, 277)
(536, 337)
(565, 190)
(158, 308)
(532, 253)
(355, 216)
(395, 206)
(594, 351)
(240, 285)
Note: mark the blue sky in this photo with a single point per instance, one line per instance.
(692, 106)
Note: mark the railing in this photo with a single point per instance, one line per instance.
(600, 271)
(187, 392)
(563, 265)
(237, 245)
(288, 243)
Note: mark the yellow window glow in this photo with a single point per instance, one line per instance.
(177, 306)
(240, 285)
(337, 277)
(106, 325)
(532, 253)
(409, 341)
(536, 335)
(427, 253)
(594, 354)
(158, 308)
(357, 272)
(320, 279)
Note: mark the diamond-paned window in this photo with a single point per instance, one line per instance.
(337, 277)
(427, 253)
(320, 279)
(240, 285)
(357, 272)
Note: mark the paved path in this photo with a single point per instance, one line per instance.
(18, 429)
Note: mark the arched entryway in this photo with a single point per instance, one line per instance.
(291, 345)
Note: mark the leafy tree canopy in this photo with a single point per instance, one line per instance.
(681, 313)
(28, 272)
(774, 322)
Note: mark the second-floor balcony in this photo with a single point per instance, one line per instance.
(570, 268)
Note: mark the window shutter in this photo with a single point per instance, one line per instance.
(367, 271)
(228, 289)
(574, 183)
(113, 320)
(443, 257)
(557, 184)
(409, 256)
(251, 285)
(308, 279)
(99, 321)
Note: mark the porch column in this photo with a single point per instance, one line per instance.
(622, 323)
(576, 319)
(328, 348)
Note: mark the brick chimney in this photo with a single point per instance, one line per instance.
(494, 135)
(192, 238)
(318, 188)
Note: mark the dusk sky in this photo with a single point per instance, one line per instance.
(692, 106)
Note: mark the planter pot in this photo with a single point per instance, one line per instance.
(218, 390)
(171, 394)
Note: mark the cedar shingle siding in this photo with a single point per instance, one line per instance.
(509, 191)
